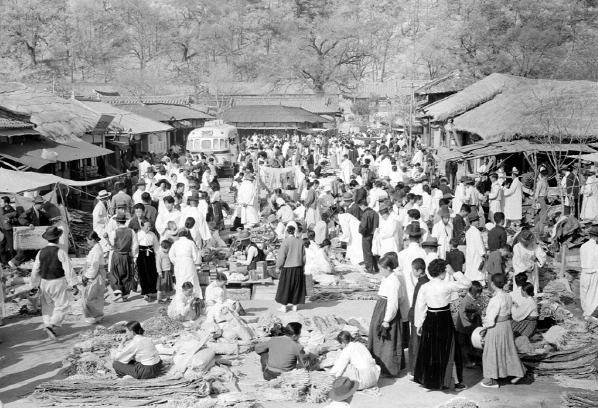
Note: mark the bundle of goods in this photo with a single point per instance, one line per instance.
(267, 322)
(304, 386)
(80, 224)
(95, 392)
(576, 363)
(552, 306)
(588, 384)
(161, 325)
(579, 399)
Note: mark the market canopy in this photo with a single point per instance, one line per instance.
(19, 181)
(486, 149)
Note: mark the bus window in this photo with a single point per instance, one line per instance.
(226, 143)
(206, 144)
(197, 144)
(216, 144)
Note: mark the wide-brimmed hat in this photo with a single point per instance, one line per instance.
(103, 194)
(526, 236)
(464, 179)
(141, 182)
(120, 218)
(443, 179)
(38, 200)
(52, 233)
(342, 388)
(164, 181)
(272, 218)
(194, 196)
(243, 235)
(515, 170)
(280, 201)
(444, 211)
(347, 196)
(384, 207)
(414, 229)
(430, 242)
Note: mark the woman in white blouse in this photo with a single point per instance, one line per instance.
(216, 295)
(355, 363)
(147, 261)
(438, 359)
(500, 357)
(386, 237)
(525, 311)
(137, 355)
(392, 308)
(93, 280)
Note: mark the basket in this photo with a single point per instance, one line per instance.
(27, 238)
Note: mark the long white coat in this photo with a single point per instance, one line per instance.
(589, 210)
(386, 238)
(185, 256)
(100, 224)
(350, 226)
(514, 201)
(247, 195)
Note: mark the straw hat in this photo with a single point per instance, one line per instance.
(243, 235)
(526, 236)
(347, 196)
(120, 218)
(103, 195)
(473, 216)
(430, 242)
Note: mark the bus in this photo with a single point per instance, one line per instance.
(216, 139)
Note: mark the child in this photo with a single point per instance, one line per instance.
(500, 357)
(455, 258)
(164, 285)
(469, 318)
(171, 233)
(418, 271)
(496, 261)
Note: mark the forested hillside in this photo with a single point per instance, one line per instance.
(322, 44)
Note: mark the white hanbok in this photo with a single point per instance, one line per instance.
(356, 363)
(248, 200)
(350, 226)
(514, 201)
(185, 256)
(589, 209)
(346, 170)
(474, 251)
(386, 237)
(443, 233)
(164, 217)
(200, 229)
(100, 224)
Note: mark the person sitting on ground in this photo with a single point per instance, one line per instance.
(185, 306)
(216, 294)
(281, 354)
(137, 355)
(253, 254)
(525, 312)
(355, 362)
(342, 392)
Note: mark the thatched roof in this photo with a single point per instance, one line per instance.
(270, 114)
(453, 82)
(56, 118)
(536, 109)
(179, 112)
(472, 96)
(127, 121)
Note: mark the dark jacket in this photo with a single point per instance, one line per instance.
(30, 217)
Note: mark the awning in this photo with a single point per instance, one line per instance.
(29, 153)
(593, 157)
(19, 181)
(120, 145)
(486, 149)
(18, 132)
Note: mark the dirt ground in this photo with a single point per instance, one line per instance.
(29, 359)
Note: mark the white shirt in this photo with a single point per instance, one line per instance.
(164, 217)
(474, 251)
(355, 354)
(94, 261)
(589, 256)
(406, 258)
(524, 308)
(436, 294)
(523, 258)
(395, 177)
(137, 196)
(141, 349)
(396, 297)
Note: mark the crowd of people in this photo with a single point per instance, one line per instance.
(392, 212)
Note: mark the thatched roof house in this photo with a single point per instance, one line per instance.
(56, 118)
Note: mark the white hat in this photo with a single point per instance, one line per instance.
(103, 194)
(515, 170)
(280, 201)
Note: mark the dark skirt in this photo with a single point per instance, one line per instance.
(438, 351)
(215, 214)
(146, 266)
(291, 286)
(137, 370)
(526, 327)
(413, 348)
(122, 275)
(386, 345)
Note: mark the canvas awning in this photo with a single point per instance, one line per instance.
(19, 181)
(486, 149)
(30, 153)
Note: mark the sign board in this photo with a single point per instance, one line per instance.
(26, 238)
(102, 126)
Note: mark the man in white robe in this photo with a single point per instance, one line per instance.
(201, 227)
(248, 201)
(165, 216)
(495, 197)
(346, 169)
(460, 195)
(589, 209)
(443, 231)
(101, 217)
(351, 236)
(514, 199)
(588, 292)
(475, 249)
